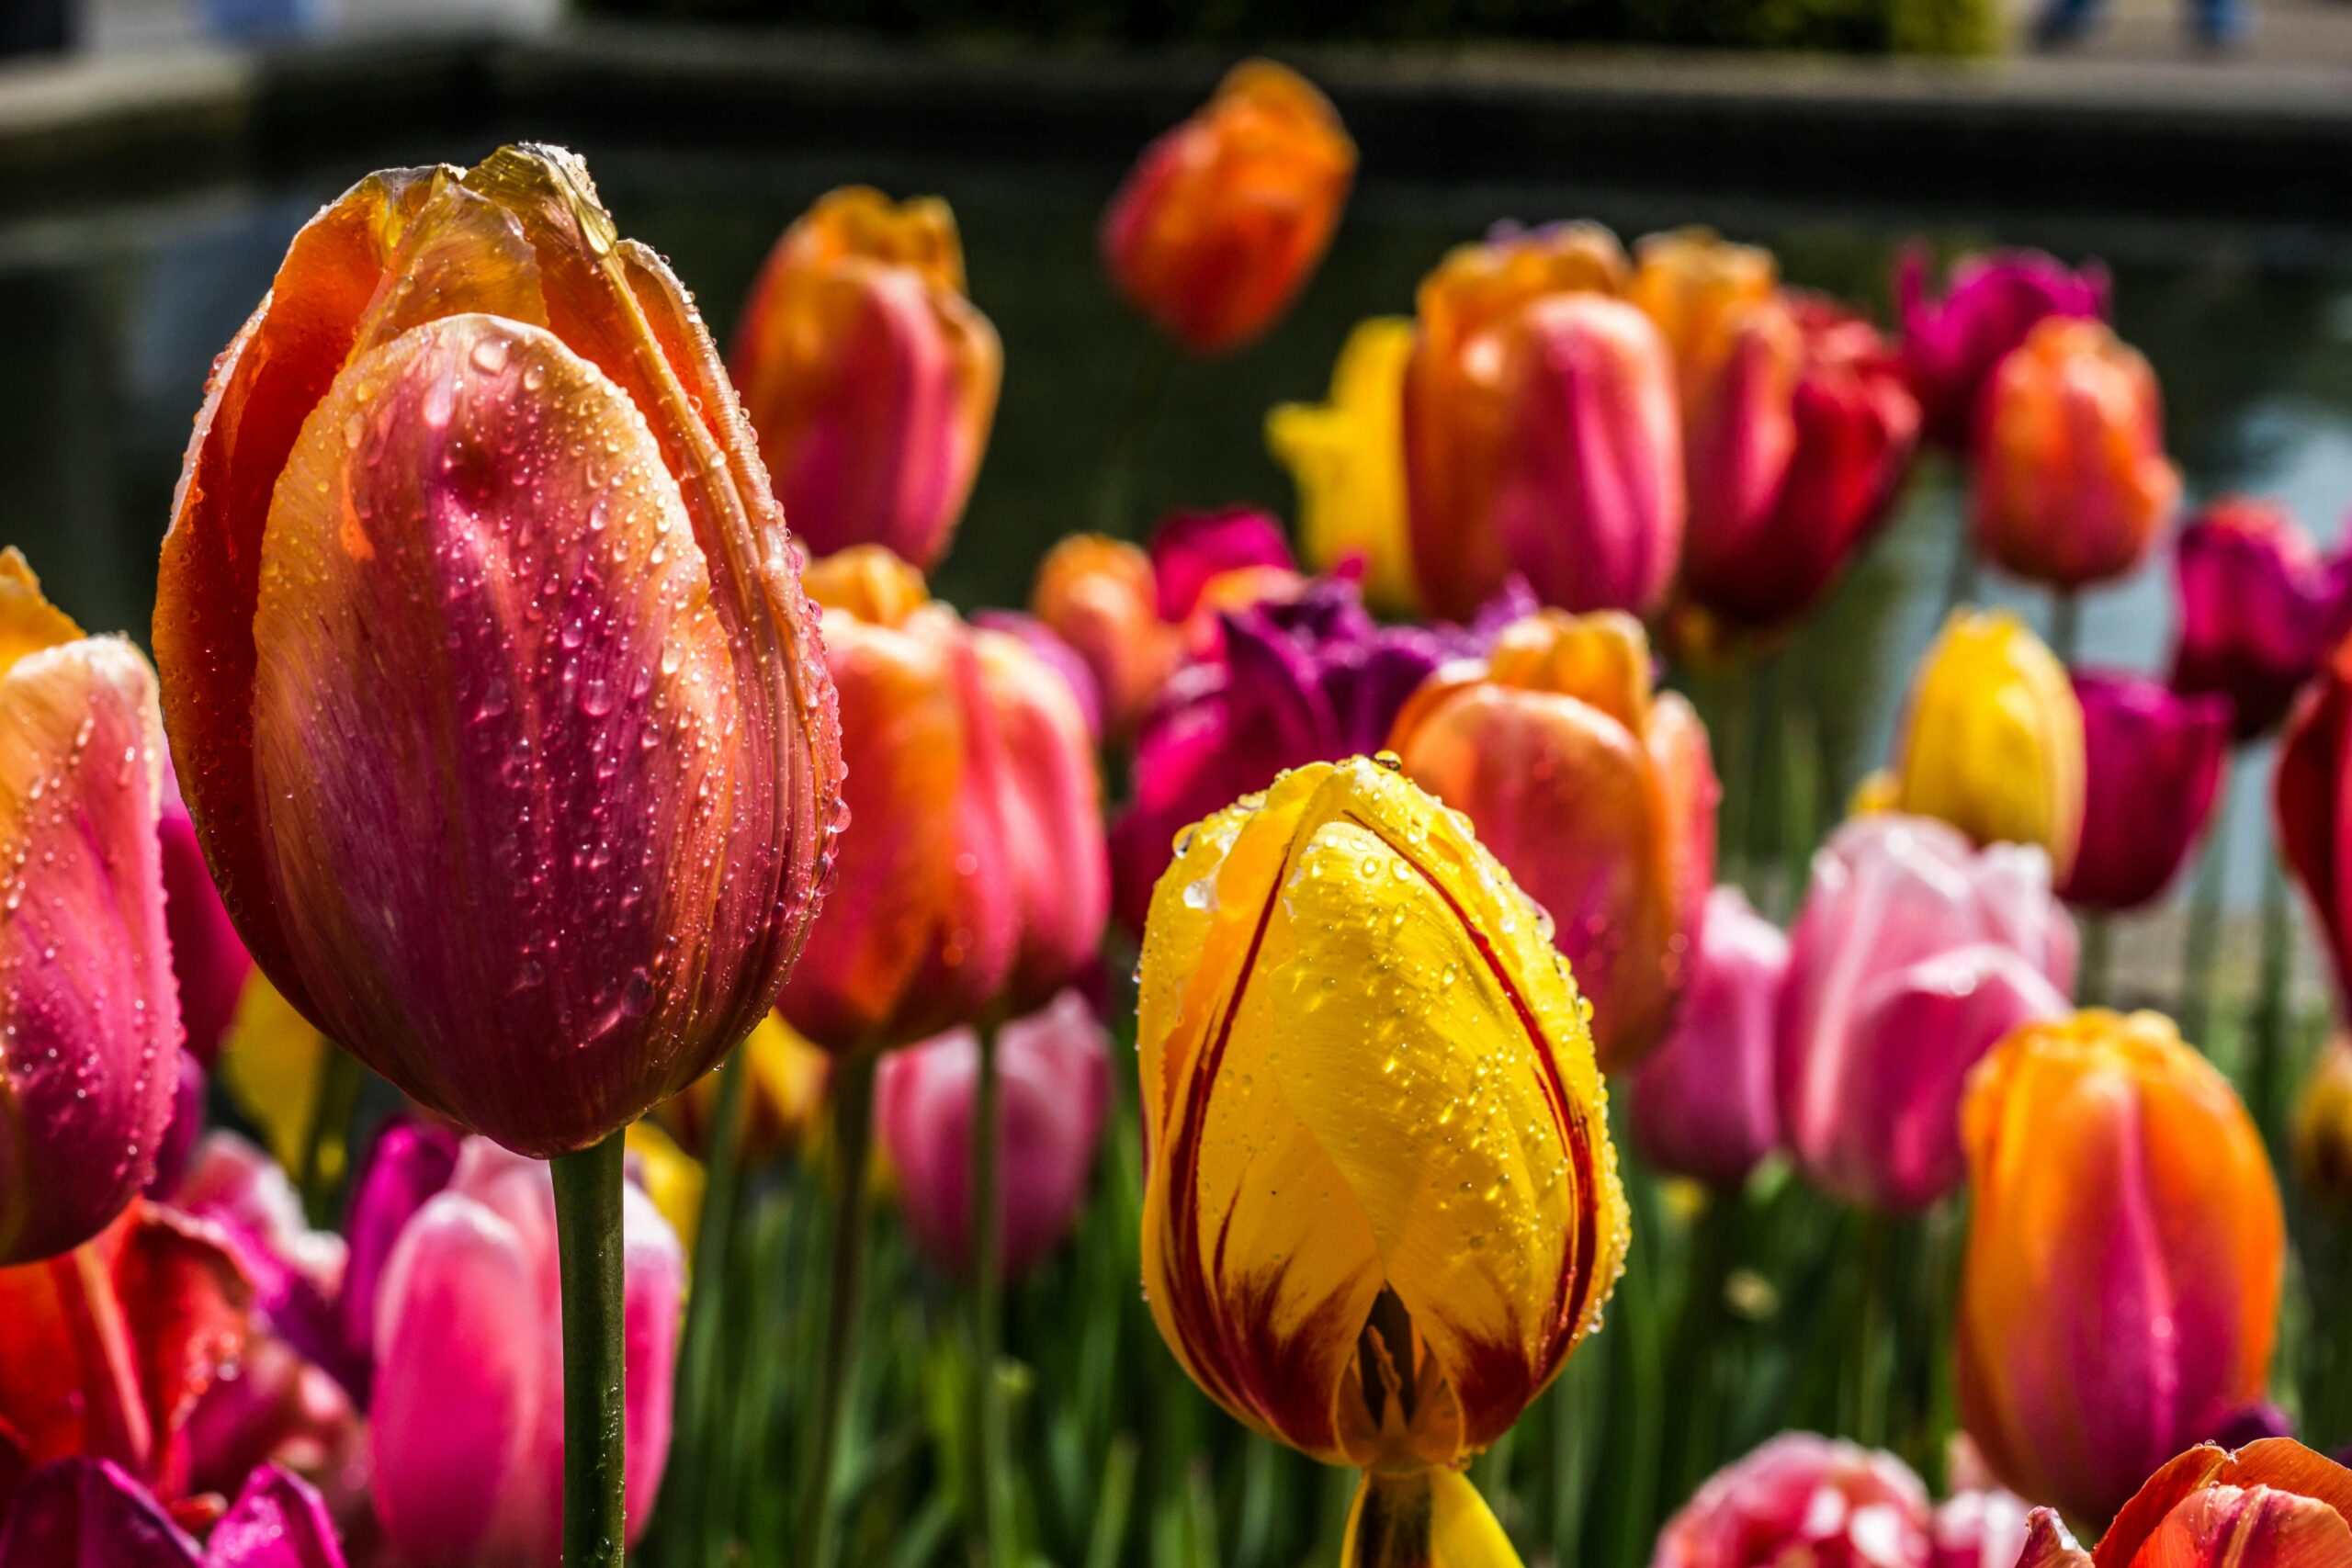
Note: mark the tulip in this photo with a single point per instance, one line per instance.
(2152, 766)
(1215, 228)
(89, 1012)
(1695, 287)
(2309, 787)
(1992, 739)
(467, 1416)
(1053, 1067)
(2120, 1287)
(1802, 1498)
(869, 377)
(2323, 1131)
(1983, 1528)
(209, 963)
(1347, 459)
(1597, 792)
(1461, 428)
(1704, 1104)
(1912, 957)
(1057, 655)
(182, 1130)
(2272, 1501)
(2072, 484)
(518, 654)
(1100, 596)
(1991, 301)
(784, 1096)
(91, 1512)
(1347, 1007)
(2259, 609)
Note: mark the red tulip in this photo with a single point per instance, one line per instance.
(2311, 787)
(2152, 765)
(2273, 1503)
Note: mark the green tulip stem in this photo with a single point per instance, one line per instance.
(2268, 1025)
(2066, 625)
(1867, 1422)
(2099, 958)
(588, 1248)
(992, 1481)
(2200, 950)
(1959, 581)
(1147, 390)
(852, 1131)
(326, 1141)
(714, 1241)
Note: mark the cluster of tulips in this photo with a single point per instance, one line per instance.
(500, 738)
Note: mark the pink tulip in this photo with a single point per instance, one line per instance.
(1913, 955)
(2259, 609)
(85, 1513)
(208, 959)
(1979, 1528)
(2152, 766)
(1803, 1499)
(1990, 303)
(1054, 1074)
(1704, 1104)
(467, 1416)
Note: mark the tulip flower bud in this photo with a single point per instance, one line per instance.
(209, 963)
(1696, 287)
(2309, 785)
(1057, 654)
(480, 629)
(1054, 1072)
(1802, 1498)
(1704, 1104)
(2071, 481)
(869, 377)
(1596, 791)
(467, 1417)
(1219, 560)
(89, 1017)
(1215, 228)
(2260, 608)
(2272, 1501)
(1991, 301)
(1458, 413)
(2120, 1199)
(1347, 457)
(2152, 766)
(1099, 595)
(1913, 956)
(1992, 739)
(1347, 1006)
(2323, 1135)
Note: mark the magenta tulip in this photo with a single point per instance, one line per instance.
(2259, 609)
(208, 960)
(1053, 1071)
(1978, 1528)
(1802, 1498)
(86, 1513)
(2153, 764)
(1991, 300)
(1190, 550)
(1704, 1104)
(1913, 955)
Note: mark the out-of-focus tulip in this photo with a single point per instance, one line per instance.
(1064, 660)
(1802, 1498)
(1225, 559)
(470, 500)
(1347, 1006)
(467, 1418)
(1461, 419)
(1991, 300)
(182, 1130)
(1596, 791)
(2071, 484)
(209, 963)
(1978, 1528)
(1703, 1102)
(408, 1162)
(1347, 457)
(87, 1007)
(273, 1064)
(784, 1096)
(85, 1511)
(1053, 1068)
(2272, 1501)
(1312, 679)
(2260, 607)
(869, 377)
(1099, 595)
(1696, 287)
(672, 1178)
(1913, 956)
(2324, 1127)
(975, 875)
(1216, 227)
(2152, 765)
(1992, 739)
(2125, 1248)
(2309, 786)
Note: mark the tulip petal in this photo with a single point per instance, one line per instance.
(653, 1284)
(2047, 1544)
(278, 1521)
(83, 1512)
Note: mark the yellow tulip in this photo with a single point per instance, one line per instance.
(1383, 1204)
(1347, 457)
(672, 1178)
(272, 1063)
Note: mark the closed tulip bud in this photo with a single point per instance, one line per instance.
(1704, 1104)
(1347, 459)
(1992, 739)
(1347, 1006)
(2272, 1501)
(88, 1012)
(1057, 654)
(2071, 482)
(1802, 1498)
(1913, 956)
(2120, 1197)
(2323, 1135)
(466, 1416)
(868, 377)
(480, 629)
(2309, 785)
(1054, 1084)
(1100, 596)
(1216, 227)
(209, 963)
(1696, 287)
(1991, 301)
(2260, 608)
(1458, 413)
(2152, 767)
(1599, 794)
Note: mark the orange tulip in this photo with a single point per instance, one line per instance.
(2273, 1503)
(1596, 791)
(1100, 595)
(871, 380)
(1216, 227)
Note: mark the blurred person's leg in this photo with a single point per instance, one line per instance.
(2221, 21)
(2063, 21)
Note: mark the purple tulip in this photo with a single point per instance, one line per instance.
(2153, 764)
(2259, 609)
(86, 1511)
(1990, 303)
(1704, 1104)
(1913, 955)
(1054, 1075)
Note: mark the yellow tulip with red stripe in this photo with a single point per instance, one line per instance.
(1383, 1204)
